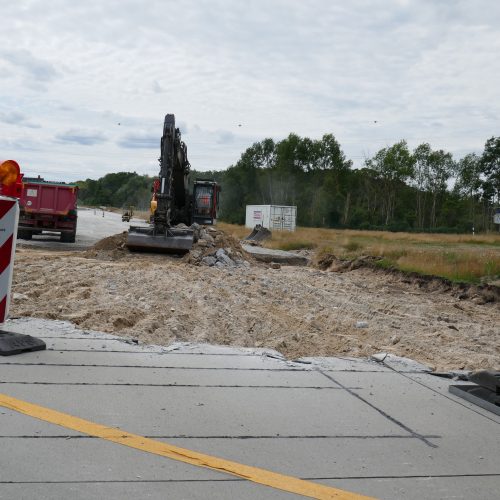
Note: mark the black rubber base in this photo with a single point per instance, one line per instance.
(15, 343)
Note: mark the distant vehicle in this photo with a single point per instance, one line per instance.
(47, 206)
(128, 214)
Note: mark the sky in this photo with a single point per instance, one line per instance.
(85, 86)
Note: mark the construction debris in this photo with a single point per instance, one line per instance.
(213, 247)
(486, 392)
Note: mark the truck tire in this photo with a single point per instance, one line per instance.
(24, 235)
(68, 237)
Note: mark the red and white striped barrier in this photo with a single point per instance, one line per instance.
(9, 215)
(10, 189)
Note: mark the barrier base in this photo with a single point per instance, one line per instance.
(15, 343)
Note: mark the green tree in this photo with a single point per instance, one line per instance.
(420, 175)
(490, 161)
(441, 167)
(469, 182)
(393, 166)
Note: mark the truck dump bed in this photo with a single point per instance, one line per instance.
(48, 197)
(48, 206)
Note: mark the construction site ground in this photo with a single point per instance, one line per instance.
(297, 310)
(134, 383)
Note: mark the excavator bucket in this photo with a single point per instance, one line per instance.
(259, 233)
(174, 240)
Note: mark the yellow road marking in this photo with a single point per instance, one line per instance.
(261, 476)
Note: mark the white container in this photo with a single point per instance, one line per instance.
(272, 217)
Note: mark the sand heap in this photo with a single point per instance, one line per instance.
(110, 248)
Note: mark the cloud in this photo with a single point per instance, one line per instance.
(140, 141)
(34, 67)
(157, 88)
(17, 118)
(424, 70)
(12, 147)
(225, 137)
(83, 137)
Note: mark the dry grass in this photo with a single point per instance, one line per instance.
(454, 256)
(459, 265)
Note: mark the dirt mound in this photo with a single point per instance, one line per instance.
(328, 262)
(110, 248)
(481, 294)
(212, 247)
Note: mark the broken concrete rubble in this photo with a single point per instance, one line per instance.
(208, 260)
(214, 248)
(221, 259)
(279, 256)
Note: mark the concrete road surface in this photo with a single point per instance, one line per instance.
(353, 425)
(92, 226)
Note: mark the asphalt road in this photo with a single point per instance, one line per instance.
(93, 225)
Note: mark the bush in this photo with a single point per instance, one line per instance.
(352, 246)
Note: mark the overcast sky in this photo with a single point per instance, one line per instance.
(85, 86)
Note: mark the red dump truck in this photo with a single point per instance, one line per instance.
(47, 206)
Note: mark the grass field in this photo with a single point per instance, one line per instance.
(464, 257)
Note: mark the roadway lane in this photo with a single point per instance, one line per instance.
(92, 227)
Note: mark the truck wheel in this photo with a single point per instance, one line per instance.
(68, 237)
(24, 235)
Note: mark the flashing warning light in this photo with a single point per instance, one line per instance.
(10, 178)
(9, 172)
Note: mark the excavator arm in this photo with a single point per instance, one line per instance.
(172, 196)
(173, 203)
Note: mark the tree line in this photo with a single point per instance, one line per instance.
(397, 189)
(117, 190)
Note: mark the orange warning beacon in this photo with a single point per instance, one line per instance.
(11, 179)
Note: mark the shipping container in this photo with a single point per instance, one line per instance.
(272, 217)
(48, 206)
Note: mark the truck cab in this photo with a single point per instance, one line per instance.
(205, 201)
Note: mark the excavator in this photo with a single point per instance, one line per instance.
(173, 207)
